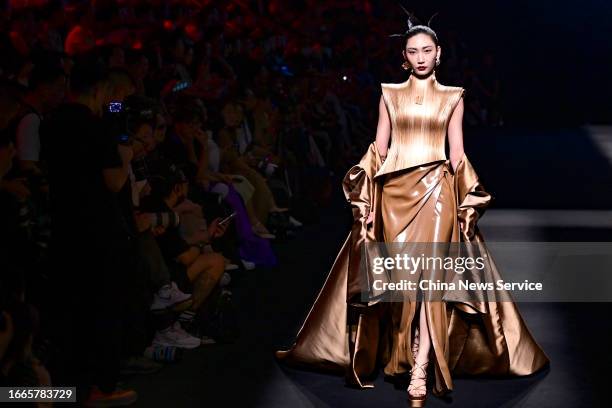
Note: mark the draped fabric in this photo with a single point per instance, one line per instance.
(426, 203)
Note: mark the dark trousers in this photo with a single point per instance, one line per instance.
(95, 285)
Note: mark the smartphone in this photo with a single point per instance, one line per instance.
(124, 139)
(227, 219)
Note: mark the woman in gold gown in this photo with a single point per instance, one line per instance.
(405, 189)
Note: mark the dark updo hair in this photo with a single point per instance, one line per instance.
(140, 110)
(165, 178)
(415, 27)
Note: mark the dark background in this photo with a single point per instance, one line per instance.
(554, 57)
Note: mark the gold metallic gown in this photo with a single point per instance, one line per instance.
(416, 197)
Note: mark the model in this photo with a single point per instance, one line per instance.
(405, 189)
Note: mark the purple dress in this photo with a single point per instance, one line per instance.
(252, 247)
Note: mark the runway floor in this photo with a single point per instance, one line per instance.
(551, 185)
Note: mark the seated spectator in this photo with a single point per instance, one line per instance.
(121, 85)
(140, 122)
(14, 242)
(18, 320)
(237, 192)
(193, 268)
(6, 336)
(20, 367)
(81, 38)
(185, 146)
(167, 297)
(262, 143)
(233, 163)
(7, 153)
(137, 65)
(47, 87)
(208, 84)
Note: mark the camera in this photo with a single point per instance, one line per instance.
(116, 121)
(124, 118)
(140, 168)
(115, 107)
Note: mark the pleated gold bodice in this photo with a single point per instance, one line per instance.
(419, 111)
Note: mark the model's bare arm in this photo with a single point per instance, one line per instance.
(455, 135)
(383, 130)
(383, 134)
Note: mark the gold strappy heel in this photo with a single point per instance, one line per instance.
(418, 401)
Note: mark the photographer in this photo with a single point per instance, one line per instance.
(92, 248)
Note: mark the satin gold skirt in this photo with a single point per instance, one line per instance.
(417, 206)
(471, 338)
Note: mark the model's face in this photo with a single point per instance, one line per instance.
(421, 53)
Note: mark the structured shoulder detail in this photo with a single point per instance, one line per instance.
(459, 90)
(387, 92)
(449, 87)
(457, 94)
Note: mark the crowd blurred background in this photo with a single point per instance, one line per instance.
(152, 151)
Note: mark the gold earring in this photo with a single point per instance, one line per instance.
(406, 65)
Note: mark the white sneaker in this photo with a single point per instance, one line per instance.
(168, 296)
(187, 316)
(176, 337)
(225, 279)
(248, 265)
(178, 294)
